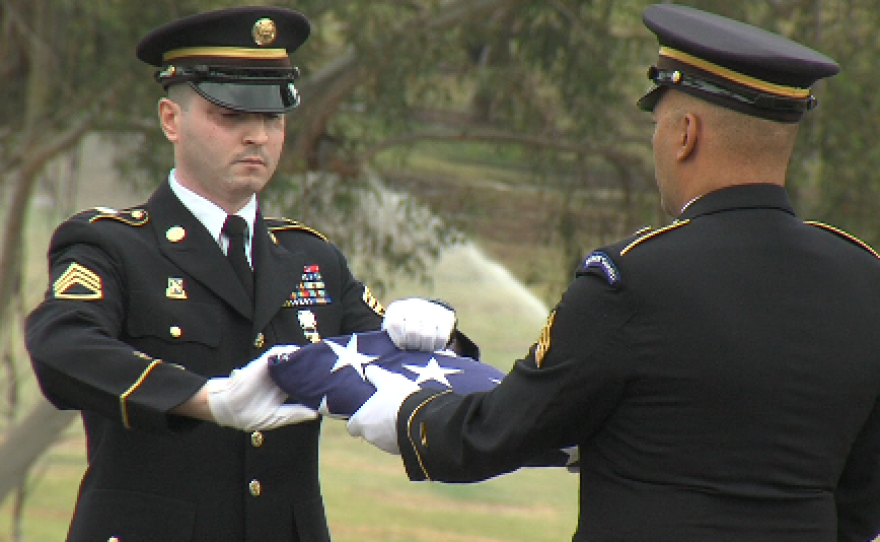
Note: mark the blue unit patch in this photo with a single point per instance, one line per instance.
(602, 262)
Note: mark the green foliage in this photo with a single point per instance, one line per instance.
(567, 71)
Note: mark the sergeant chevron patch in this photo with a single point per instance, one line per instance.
(372, 302)
(78, 282)
(543, 343)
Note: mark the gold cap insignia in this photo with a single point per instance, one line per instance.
(264, 31)
(175, 234)
(77, 282)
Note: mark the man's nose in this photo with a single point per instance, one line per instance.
(257, 131)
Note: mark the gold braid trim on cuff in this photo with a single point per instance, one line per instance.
(123, 406)
(409, 431)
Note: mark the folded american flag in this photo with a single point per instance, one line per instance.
(328, 376)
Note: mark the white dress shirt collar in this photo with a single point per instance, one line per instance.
(211, 215)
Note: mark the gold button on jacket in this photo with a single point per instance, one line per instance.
(256, 488)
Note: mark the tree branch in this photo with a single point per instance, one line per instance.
(26, 442)
(612, 153)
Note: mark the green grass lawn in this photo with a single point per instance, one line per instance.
(369, 499)
(367, 495)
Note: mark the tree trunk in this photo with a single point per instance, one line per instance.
(27, 440)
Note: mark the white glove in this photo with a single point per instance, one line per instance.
(419, 324)
(248, 399)
(376, 420)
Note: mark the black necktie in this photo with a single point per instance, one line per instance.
(234, 228)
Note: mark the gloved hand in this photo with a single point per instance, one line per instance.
(376, 420)
(415, 323)
(248, 399)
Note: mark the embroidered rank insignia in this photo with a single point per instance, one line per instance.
(543, 344)
(309, 325)
(372, 302)
(602, 262)
(175, 289)
(311, 289)
(78, 282)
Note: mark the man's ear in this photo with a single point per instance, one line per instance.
(689, 132)
(169, 118)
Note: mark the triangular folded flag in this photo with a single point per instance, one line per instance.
(328, 376)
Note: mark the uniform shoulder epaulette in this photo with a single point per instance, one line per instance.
(648, 233)
(286, 224)
(134, 216)
(848, 236)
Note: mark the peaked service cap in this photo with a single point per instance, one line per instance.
(732, 64)
(237, 58)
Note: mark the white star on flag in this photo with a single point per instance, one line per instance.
(432, 371)
(350, 357)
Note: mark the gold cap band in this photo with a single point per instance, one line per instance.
(226, 52)
(736, 77)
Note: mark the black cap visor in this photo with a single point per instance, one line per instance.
(649, 101)
(729, 95)
(249, 97)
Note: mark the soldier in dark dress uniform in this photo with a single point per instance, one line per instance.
(721, 375)
(150, 308)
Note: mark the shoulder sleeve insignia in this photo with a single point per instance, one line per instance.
(132, 217)
(372, 302)
(849, 237)
(78, 282)
(602, 262)
(652, 234)
(285, 224)
(543, 344)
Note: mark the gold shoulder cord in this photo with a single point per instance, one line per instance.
(653, 234)
(294, 225)
(843, 234)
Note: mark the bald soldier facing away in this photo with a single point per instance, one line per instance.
(720, 375)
